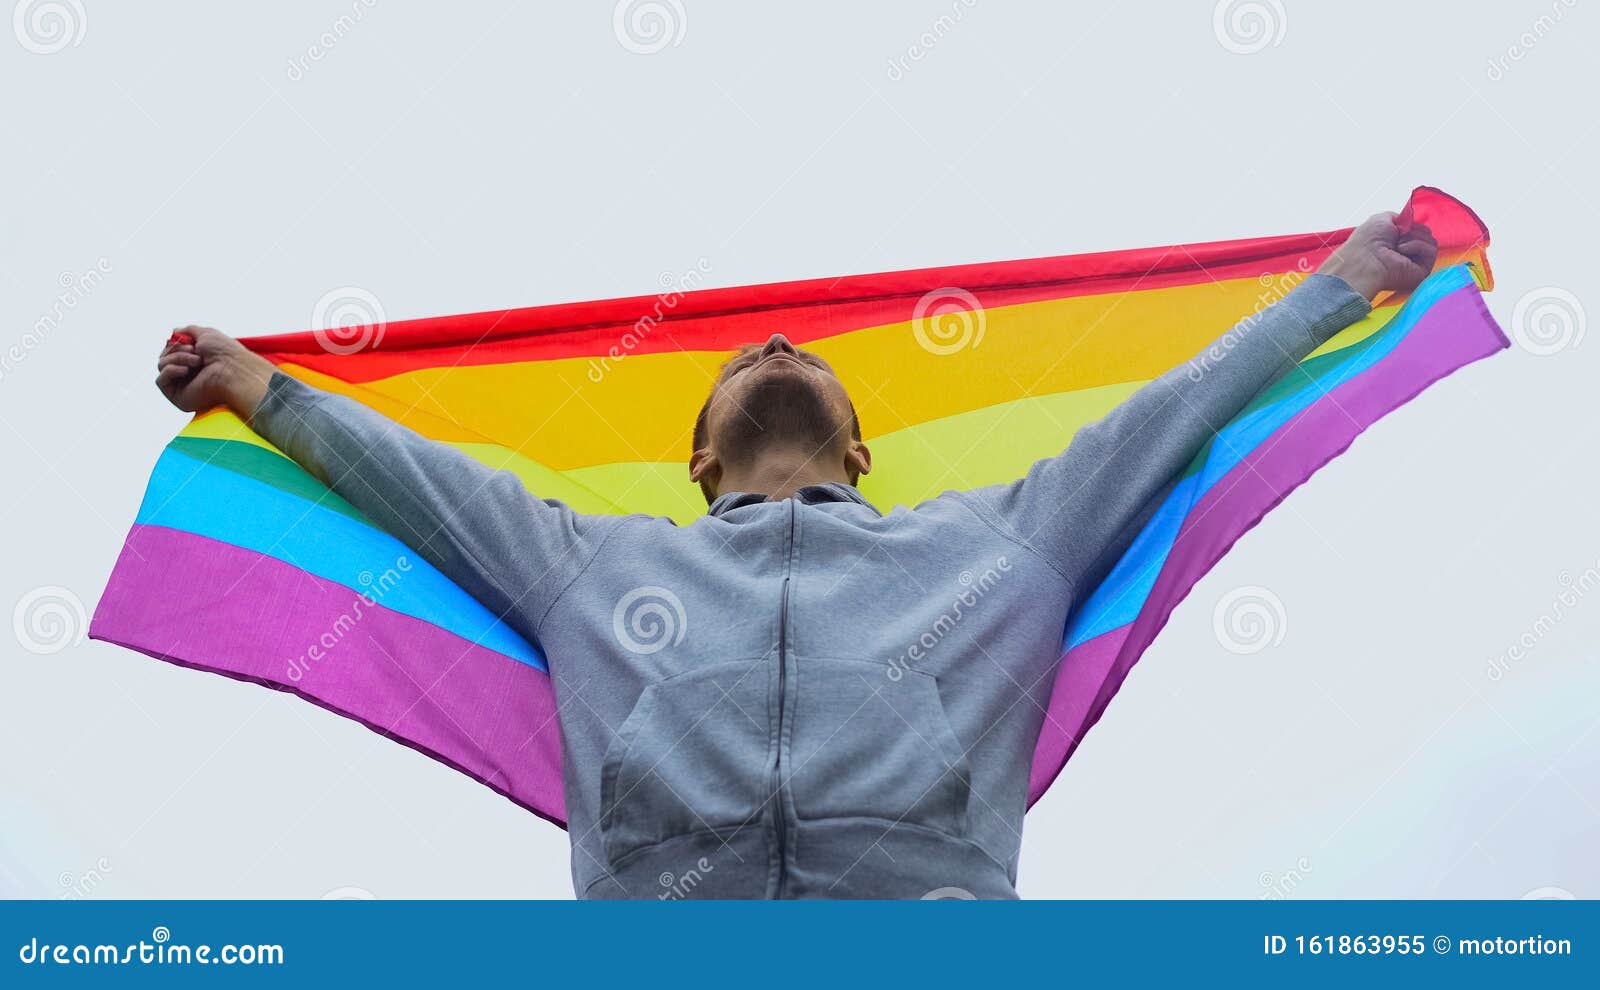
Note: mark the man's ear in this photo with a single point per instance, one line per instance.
(704, 468)
(858, 459)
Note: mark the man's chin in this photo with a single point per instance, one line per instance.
(780, 366)
(785, 384)
(782, 403)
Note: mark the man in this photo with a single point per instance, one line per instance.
(774, 746)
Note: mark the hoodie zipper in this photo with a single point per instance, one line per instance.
(780, 825)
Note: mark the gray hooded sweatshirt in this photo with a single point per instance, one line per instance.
(752, 700)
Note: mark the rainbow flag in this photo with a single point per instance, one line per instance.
(241, 563)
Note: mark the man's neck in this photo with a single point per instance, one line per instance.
(779, 474)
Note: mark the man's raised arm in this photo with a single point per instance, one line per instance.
(1080, 509)
(479, 526)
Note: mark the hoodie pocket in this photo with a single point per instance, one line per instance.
(868, 746)
(690, 757)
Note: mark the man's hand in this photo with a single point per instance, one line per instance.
(1380, 257)
(200, 368)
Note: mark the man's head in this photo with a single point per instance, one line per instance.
(777, 419)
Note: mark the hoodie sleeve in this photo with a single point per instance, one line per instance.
(511, 551)
(1081, 507)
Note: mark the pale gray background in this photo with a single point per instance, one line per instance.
(493, 155)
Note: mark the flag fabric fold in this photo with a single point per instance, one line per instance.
(241, 563)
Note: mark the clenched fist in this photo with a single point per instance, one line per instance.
(200, 368)
(1380, 257)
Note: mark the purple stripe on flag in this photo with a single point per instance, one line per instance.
(201, 603)
(1456, 331)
